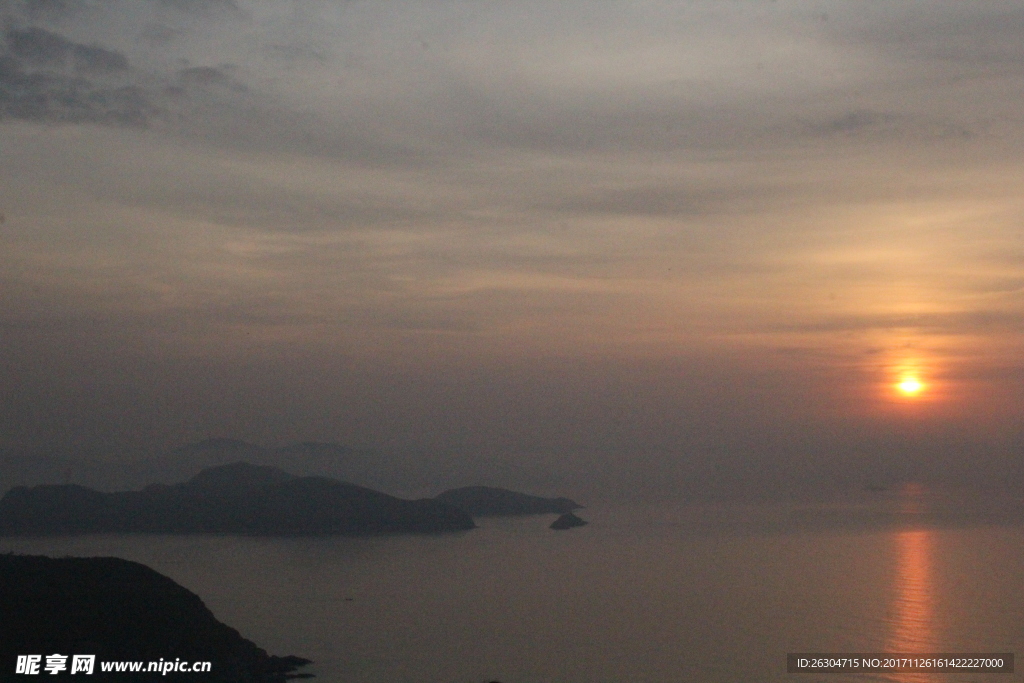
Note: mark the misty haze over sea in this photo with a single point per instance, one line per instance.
(652, 594)
(711, 474)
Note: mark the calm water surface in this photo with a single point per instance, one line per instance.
(641, 594)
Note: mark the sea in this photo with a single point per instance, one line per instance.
(653, 592)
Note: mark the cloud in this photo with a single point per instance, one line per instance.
(208, 77)
(683, 200)
(53, 98)
(38, 47)
(964, 37)
(45, 77)
(869, 125)
(504, 180)
(963, 322)
(202, 6)
(42, 9)
(50, 10)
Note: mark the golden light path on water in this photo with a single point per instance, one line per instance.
(912, 620)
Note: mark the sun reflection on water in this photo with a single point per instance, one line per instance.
(912, 621)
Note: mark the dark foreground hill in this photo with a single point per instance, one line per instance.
(488, 501)
(119, 611)
(238, 498)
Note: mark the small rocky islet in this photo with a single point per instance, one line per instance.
(567, 521)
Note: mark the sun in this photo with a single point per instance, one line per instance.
(910, 386)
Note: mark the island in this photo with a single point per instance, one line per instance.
(239, 498)
(484, 501)
(567, 521)
(119, 611)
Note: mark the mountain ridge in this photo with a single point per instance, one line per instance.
(235, 498)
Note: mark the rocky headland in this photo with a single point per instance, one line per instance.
(120, 611)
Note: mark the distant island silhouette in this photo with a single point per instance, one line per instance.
(236, 498)
(119, 610)
(484, 501)
(568, 521)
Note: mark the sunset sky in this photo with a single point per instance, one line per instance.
(658, 240)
